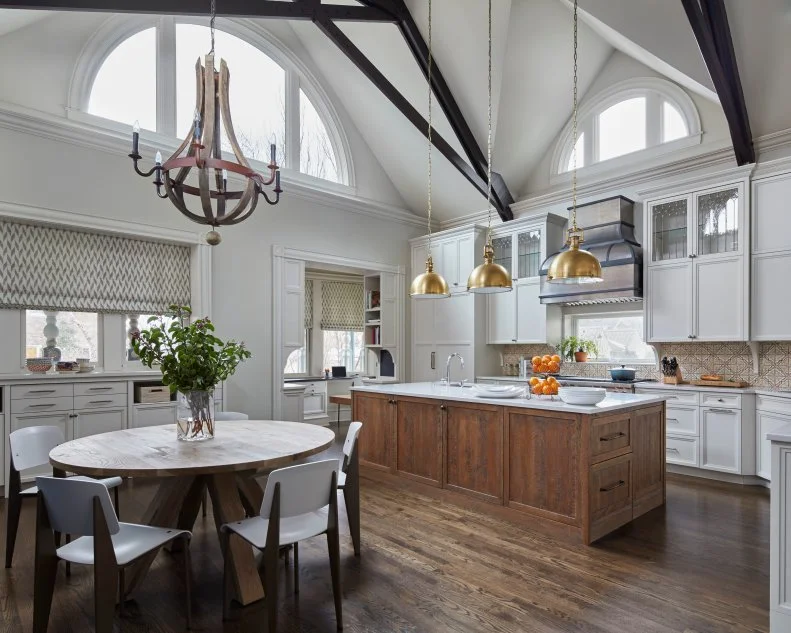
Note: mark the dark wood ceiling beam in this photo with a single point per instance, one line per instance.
(709, 21)
(274, 9)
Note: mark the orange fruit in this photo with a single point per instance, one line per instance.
(536, 360)
(552, 380)
(536, 368)
(556, 358)
(554, 367)
(538, 389)
(546, 359)
(547, 390)
(534, 381)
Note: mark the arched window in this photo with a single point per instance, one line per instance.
(647, 115)
(143, 69)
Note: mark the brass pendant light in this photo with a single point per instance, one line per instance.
(575, 265)
(429, 285)
(489, 277)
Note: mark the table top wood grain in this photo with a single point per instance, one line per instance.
(155, 451)
(341, 399)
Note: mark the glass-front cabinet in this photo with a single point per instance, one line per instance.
(504, 252)
(519, 253)
(669, 235)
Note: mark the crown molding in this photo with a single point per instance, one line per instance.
(96, 133)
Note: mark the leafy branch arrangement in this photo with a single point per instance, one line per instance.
(572, 344)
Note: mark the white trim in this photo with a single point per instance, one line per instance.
(629, 88)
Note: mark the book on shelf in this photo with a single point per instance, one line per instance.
(375, 337)
(373, 299)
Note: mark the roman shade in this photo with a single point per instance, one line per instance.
(48, 268)
(341, 305)
(308, 304)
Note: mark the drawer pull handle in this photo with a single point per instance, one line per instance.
(42, 391)
(720, 400)
(613, 436)
(670, 449)
(612, 487)
(110, 389)
(673, 420)
(100, 402)
(41, 406)
(728, 411)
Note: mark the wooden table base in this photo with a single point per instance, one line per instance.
(176, 504)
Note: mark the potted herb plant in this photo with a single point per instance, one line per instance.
(577, 348)
(193, 361)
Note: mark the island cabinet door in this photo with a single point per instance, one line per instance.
(419, 440)
(648, 458)
(375, 443)
(474, 451)
(543, 464)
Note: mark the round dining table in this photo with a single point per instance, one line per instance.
(227, 465)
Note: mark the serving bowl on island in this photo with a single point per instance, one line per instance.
(582, 396)
(498, 391)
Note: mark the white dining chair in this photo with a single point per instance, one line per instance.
(300, 502)
(30, 448)
(222, 416)
(82, 508)
(349, 482)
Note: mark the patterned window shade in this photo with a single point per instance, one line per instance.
(47, 268)
(341, 306)
(308, 304)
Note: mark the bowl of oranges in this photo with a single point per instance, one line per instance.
(548, 386)
(546, 364)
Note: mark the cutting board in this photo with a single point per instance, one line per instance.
(736, 384)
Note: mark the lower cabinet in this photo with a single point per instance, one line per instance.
(153, 414)
(87, 423)
(720, 440)
(315, 402)
(375, 444)
(419, 436)
(776, 415)
(61, 419)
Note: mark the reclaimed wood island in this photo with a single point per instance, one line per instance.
(570, 471)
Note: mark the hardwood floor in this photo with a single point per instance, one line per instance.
(699, 566)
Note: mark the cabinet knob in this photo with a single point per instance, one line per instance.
(442, 407)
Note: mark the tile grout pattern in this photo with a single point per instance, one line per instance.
(732, 360)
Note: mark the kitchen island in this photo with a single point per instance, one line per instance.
(572, 471)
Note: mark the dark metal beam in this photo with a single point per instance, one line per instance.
(227, 8)
(709, 21)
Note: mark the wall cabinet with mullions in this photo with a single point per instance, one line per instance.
(521, 247)
(696, 273)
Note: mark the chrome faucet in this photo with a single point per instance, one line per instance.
(447, 369)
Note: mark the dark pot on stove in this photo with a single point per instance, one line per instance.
(622, 373)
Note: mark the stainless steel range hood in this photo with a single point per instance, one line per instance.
(609, 235)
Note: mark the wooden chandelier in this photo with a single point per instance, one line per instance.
(201, 150)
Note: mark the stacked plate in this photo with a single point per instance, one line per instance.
(498, 391)
(584, 396)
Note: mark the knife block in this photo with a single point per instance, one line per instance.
(678, 379)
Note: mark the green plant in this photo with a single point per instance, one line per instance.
(190, 356)
(572, 344)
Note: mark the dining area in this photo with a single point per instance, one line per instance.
(115, 539)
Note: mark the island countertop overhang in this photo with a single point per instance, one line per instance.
(613, 403)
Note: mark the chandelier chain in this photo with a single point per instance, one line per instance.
(213, 11)
(430, 99)
(489, 138)
(574, 131)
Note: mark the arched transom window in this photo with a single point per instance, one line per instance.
(148, 76)
(646, 115)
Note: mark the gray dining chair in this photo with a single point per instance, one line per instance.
(82, 508)
(349, 482)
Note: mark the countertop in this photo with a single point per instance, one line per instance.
(317, 379)
(25, 376)
(783, 434)
(613, 401)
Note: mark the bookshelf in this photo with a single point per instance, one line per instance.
(380, 319)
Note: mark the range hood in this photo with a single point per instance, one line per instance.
(609, 235)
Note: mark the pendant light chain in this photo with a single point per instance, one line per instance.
(489, 140)
(213, 11)
(430, 98)
(574, 132)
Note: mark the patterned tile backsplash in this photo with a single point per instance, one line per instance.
(732, 360)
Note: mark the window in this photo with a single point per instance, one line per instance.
(632, 116)
(129, 85)
(73, 334)
(140, 323)
(618, 336)
(344, 348)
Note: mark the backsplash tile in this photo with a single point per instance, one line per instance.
(732, 360)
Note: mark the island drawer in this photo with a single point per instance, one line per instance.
(682, 421)
(682, 451)
(717, 399)
(99, 388)
(23, 392)
(610, 493)
(609, 435)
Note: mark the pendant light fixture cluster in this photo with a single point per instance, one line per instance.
(574, 265)
(429, 285)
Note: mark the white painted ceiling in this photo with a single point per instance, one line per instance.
(13, 19)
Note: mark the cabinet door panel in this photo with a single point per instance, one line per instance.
(466, 260)
(531, 314)
(670, 303)
(475, 451)
(719, 305)
(153, 415)
(457, 372)
(375, 442)
(60, 420)
(668, 231)
(423, 320)
(718, 222)
(92, 422)
(454, 319)
(501, 316)
(767, 422)
(543, 465)
(423, 369)
(648, 459)
(769, 317)
(419, 440)
(771, 222)
(721, 440)
(448, 266)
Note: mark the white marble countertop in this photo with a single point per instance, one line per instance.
(613, 401)
(25, 376)
(783, 434)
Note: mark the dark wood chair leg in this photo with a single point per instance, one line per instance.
(205, 500)
(13, 512)
(334, 548)
(296, 567)
(121, 593)
(46, 567)
(188, 580)
(105, 571)
(227, 581)
(351, 495)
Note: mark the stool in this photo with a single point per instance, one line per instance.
(341, 400)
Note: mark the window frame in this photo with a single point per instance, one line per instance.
(656, 91)
(99, 336)
(298, 76)
(572, 322)
(308, 347)
(363, 350)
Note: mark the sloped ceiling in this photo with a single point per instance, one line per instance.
(13, 19)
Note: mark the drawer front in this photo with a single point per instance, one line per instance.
(676, 396)
(683, 421)
(153, 415)
(100, 401)
(99, 388)
(682, 451)
(315, 404)
(315, 387)
(610, 434)
(20, 392)
(42, 405)
(610, 487)
(726, 400)
(773, 405)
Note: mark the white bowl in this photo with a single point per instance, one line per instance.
(504, 391)
(585, 396)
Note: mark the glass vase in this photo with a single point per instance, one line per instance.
(195, 416)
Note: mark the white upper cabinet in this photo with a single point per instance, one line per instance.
(454, 259)
(697, 271)
(771, 259)
(501, 318)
